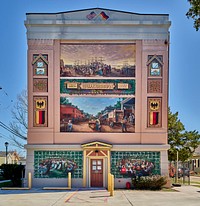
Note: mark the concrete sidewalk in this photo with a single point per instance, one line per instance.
(181, 196)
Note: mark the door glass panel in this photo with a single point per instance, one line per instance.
(94, 162)
(99, 162)
(98, 167)
(94, 167)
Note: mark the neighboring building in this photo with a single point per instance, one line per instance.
(12, 157)
(97, 96)
(194, 163)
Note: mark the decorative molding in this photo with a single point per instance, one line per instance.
(97, 86)
(154, 112)
(153, 42)
(40, 85)
(40, 56)
(40, 65)
(151, 58)
(40, 107)
(155, 66)
(97, 24)
(40, 47)
(154, 86)
(40, 42)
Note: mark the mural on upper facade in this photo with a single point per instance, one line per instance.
(97, 86)
(97, 60)
(90, 114)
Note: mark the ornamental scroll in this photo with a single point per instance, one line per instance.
(97, 86)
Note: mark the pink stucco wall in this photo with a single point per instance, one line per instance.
(142, 135)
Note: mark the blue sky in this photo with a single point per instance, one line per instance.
(184, 95)
(92, 105)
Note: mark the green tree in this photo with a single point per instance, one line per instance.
(179, 139)
(64, 101)
(194, 13)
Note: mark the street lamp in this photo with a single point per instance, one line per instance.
(6, 145)
(176, 177)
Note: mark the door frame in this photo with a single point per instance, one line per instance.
(95, 150)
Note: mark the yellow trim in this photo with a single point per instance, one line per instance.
(97, 157)
(96, 144)
(108, 161)
(29, 180)
(103, 153)
(90, 153)
(90, 148)
(56, 188)
(84, 168)
(15, 188)
(69, 180)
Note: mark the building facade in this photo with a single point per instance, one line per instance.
(98, 96)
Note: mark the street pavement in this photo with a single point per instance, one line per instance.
(179, 196)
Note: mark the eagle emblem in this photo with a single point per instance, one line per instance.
(40, 104)
(154, 105)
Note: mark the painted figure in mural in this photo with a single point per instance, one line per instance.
(70, 166)
(132, 119)
(98, 125)
(146, 171)
(54, 167)
(124, 122)
(69, 126)
(133, 167)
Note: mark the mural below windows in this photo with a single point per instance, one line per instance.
(87, 114)
(132, 164)
(97, 60)
(57, 164)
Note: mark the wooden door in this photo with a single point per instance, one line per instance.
(97, 173)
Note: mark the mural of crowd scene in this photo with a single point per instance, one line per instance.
(84, 114)
(97, 60)
(97, 86)
(135, 164)
(57, 164)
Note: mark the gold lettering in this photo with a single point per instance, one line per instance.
(71, 85)
(122, 86)
(103, 86)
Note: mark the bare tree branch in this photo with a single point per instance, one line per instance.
(19, 123)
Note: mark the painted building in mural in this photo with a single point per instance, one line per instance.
(98, 96)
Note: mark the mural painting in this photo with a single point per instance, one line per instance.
(97, 60)
(135, 164)
(97, 86)
(50, 166)
(57, 164)
(90, 114)
(134, 167)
